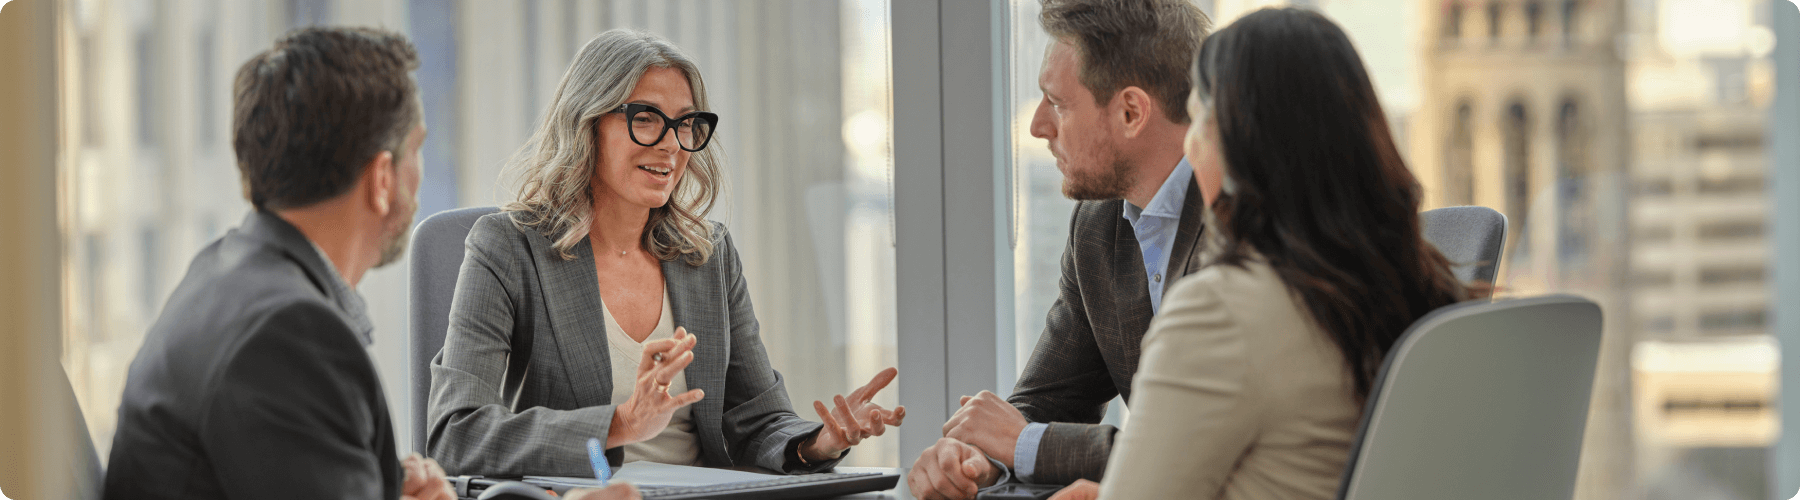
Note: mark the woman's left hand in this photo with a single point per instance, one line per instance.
(852, 420)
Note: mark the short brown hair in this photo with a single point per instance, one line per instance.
(1149, 44)
(310, 112)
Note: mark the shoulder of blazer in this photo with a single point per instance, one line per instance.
(721, 239)
(498, 234)
(1101, 211)
(1093, 230)
(723, 248)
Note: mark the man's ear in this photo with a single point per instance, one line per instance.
(381, 179)
(1135, 110)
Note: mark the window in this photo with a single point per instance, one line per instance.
(1732, 274)
(1655, 187)
(150, 277)
(530, 10)
(91, 133)
(1495, 11)
(1459, 166)
(1516, 162)
(308, 13)
(1733, 320)
(1568, 21)
(1658, 234)
(1730, 79)
(1453, 20)
(1534, 14)
(1652, 279)
(1730, 186)
(146, 88)
(1574, 200)
(207, 89)
(1731, 230)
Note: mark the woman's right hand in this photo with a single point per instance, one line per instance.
(647, 411)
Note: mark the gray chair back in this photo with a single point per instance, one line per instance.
(437, 255)
(1471, 237)
(1480, 400)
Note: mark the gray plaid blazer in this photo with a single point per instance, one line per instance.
(513, 291)
(1088, 352)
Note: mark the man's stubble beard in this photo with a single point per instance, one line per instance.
(1110, 183)
(399, 229)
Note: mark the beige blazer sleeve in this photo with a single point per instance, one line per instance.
(1239, 395)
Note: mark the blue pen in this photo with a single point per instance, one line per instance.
(597, 457)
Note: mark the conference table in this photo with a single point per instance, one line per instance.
(898, 493)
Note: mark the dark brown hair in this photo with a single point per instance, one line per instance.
(312, 111)
(1147, 44)
(1315, 184)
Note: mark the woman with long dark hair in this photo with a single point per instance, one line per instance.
(1253, 377)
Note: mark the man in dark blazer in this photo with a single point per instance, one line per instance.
(1115, 85)
(254, 382)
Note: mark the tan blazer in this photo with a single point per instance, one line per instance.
(1239, 396)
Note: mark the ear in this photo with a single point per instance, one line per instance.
(381, 180)
(1135, 107)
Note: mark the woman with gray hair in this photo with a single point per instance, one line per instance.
(602, 304)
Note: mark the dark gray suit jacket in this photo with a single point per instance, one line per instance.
(255, 382)
(1088, 352)
(513, 286)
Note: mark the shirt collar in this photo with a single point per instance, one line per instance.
(1169, 198)
(277, 232)
(347, 298)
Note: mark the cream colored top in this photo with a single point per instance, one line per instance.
(676, 444)
(1238, 395)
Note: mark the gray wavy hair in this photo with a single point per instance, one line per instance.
(556, 167)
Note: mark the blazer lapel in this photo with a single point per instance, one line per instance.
(696, 302)
(1184, 259)
(1131, 300)
(572, 293)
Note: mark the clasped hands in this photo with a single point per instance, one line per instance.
(650, 406)
(957, 465)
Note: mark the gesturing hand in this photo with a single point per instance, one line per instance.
(852, 420)
(647, 411)
(950, 470)
(989, 423)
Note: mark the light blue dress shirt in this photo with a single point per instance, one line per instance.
(1155, 225)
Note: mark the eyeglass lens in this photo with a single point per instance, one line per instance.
(649, 125)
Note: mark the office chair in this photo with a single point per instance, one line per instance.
(437, 248)
(1471, 237)
(1480, 400)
